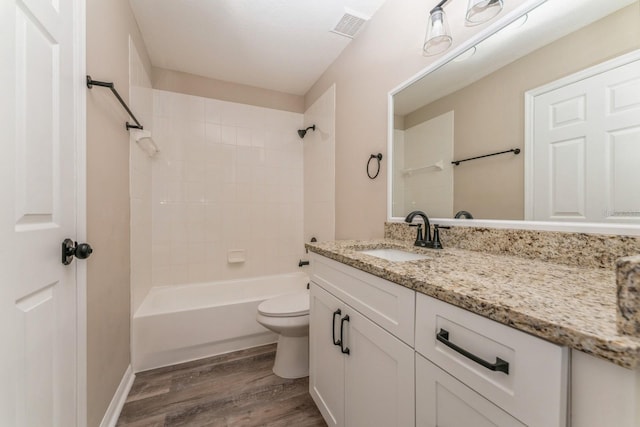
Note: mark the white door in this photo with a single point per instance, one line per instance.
(585, 144)
(39, 120)
(326, 361)
(379, 376)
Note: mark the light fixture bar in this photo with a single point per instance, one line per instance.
(438, 6)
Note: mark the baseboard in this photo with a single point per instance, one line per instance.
(159, 359)
(115, 407)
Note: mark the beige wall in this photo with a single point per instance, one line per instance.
(191, 84)
(387, 53)
(494, 188)
(109, 24)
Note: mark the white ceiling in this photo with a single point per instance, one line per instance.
(283, 45)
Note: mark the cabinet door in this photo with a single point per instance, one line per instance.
(326, 362)
(443, 401)
(379, 376)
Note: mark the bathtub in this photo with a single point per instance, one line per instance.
(186, 322)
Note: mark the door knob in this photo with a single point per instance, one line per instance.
(71, 249)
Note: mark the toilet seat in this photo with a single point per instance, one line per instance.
(289, 305)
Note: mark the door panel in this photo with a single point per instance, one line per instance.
(623, 152)
(567, 179)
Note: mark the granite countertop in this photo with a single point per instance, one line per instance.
(567, 305)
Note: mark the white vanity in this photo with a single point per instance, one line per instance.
(383, 354)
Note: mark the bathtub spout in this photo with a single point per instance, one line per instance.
(303, 263)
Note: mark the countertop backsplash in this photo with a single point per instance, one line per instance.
(573, 249)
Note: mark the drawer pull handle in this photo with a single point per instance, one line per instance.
(345, 350)
(333, 327)
(499, 365)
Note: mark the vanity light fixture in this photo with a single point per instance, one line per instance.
(439, 38)
(438, 34)
(481, 11)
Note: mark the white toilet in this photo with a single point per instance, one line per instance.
(288, 316)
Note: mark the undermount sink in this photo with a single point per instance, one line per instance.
(395, 255)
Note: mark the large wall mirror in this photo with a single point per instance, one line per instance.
(533, 91)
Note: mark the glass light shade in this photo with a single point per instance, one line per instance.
(438, 35)
(481, 11)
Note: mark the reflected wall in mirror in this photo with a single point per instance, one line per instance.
(475, 105)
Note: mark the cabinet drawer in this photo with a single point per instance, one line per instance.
(387, 304)
(537, 369)
(441, 400)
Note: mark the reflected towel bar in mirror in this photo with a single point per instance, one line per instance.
(513, 150)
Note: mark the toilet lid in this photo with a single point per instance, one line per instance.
(295, 304)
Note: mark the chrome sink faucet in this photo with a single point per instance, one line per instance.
(420, 241)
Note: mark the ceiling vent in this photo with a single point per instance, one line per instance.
(350, 23)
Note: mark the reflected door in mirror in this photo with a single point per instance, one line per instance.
(586, 146)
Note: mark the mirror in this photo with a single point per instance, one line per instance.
(474, 105)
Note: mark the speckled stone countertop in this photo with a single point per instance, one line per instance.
(564, 304)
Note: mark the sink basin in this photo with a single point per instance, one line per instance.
(395, 255)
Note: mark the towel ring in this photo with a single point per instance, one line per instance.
(377, 157)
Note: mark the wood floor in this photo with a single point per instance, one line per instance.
(235, 389)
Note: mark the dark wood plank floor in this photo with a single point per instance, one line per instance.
(234, 389)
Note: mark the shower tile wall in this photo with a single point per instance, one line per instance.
(228, 177)
(141, 102)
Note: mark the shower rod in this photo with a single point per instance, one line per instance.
(91, 83)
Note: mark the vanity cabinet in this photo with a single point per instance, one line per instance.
(470, 370)
(383, 355)
(360, 373)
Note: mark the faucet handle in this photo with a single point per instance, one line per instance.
(419, 237)
(436, 244)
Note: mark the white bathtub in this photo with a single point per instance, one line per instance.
(185, 322)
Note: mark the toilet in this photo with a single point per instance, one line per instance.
(288, 316)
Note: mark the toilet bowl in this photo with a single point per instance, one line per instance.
(288, 316)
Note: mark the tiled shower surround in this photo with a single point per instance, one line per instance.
(228, 177)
